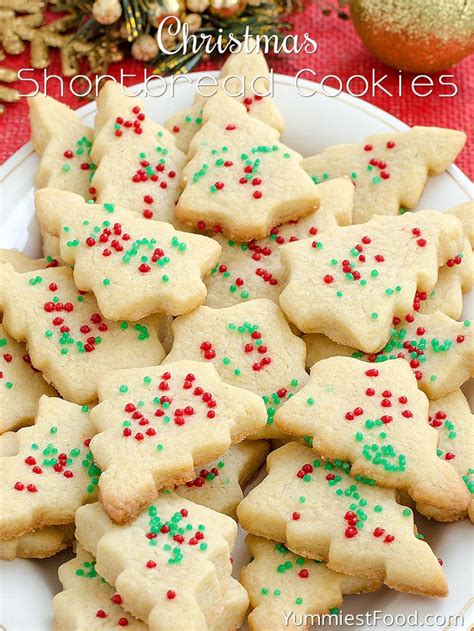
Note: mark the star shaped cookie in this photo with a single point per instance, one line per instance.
(253, 269)
(251, 345)
(219, 484)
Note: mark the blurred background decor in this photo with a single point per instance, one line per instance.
(70, 37)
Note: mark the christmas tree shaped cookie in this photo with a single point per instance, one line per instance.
(22, 263)
(218, 485)
(378, 424)
(320, 511)
(279, 582)
(452, 417)
(349, 282)
(64, 143)
(155, 424)
(273, 401)
(40, 544)
(390, 169)
(52, 473)
(465, 213)
(177, 553)
(253, 269)
(250, 344)
(67, 337)
(134, 267)
(21, 386)
(138, 164)
(245, 77)
(454, 278)
(439, 350)
(240, 179)
(87, 600)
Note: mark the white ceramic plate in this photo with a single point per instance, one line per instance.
(312, 123)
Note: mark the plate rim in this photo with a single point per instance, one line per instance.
(463, 181)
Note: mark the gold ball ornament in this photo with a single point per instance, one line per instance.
(226, 9)
(106, 11)
(197, 6)
(145, 48)
(416, 35)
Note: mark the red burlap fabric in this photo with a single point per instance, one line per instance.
(340, 53)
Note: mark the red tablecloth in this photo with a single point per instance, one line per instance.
(340, 53)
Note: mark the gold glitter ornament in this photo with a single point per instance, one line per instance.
(226, 9)
(8, 95)
(416, 35)
(106, 11)
(168, 8)
(145, 48)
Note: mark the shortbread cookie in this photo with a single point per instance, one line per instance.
(22, 263)
(349, 282)
(319, 511)
(453, 419)
(244, 76)
(67, 338)
(240, 179)
(250, 344)
(218, 485)
(440, 350)
(134, 267)
(138, 164)
(9, 444)
(376, 419)
(280, 583)
(21, 386)
(253, 269)
(39, 544)
(320, 347)
(454, 278)
(53, 472)
(64, 143)
(273, 402)
(87, 600)
(390, 169)
(155, 424)
(177, 554)
(465, 213)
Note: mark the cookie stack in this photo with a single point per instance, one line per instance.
(193, 275)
